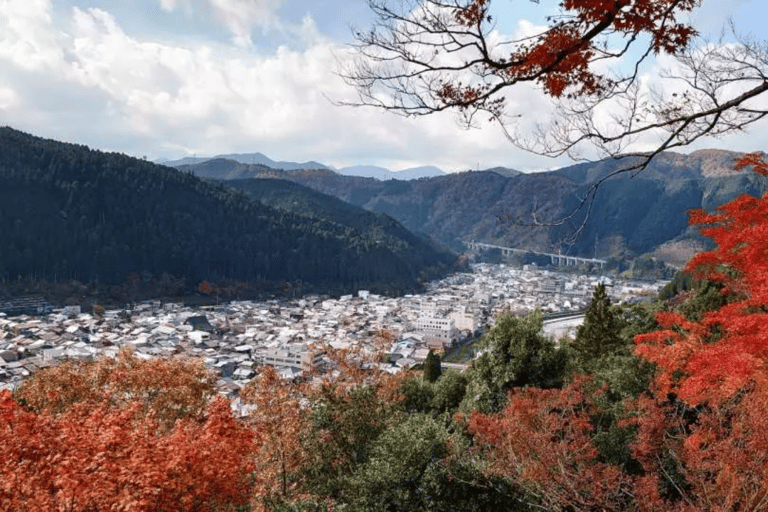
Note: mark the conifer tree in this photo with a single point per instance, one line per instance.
(432, 367)
(598, 336)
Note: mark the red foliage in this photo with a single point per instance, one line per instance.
(542, 439)
(97, 457)
(560, 58)
(694, 366)
(704, 419)
(169, 388)
(205, 287)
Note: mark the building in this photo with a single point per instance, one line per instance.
(292, 355)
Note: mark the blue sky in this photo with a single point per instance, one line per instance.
(172, 78)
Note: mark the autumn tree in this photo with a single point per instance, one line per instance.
(168, 388)
(542, 440)
(420, 58)
(205, 288)
(702, 427)
(279, 416)
(99, 457)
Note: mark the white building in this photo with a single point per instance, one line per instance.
(292, 355)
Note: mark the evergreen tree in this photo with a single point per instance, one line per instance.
(598, 336)
(432, 367)
(515, 353)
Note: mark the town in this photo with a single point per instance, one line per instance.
(236, 338)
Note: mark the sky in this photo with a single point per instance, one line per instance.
(165, 79)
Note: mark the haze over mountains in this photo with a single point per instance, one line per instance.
(364, 171)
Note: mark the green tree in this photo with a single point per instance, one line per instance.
(432, 368)
(421, 464)
(598, 336)
(514, 353)
(449, 390)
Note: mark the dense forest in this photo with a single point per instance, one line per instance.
(627, 216)
(71, 213)
(651, 407)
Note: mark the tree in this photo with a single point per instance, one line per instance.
(432, 367)
(701, 428)
(514, 353)
(98, 457)
(280, 418)
(402, 458)
(598, 336)
(168, 389)
(205, 288)
(420, 58)
(542, 439)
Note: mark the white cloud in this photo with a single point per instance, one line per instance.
(240, 16)
(171, 5)
(101, 86)
(27, 38)
(8, 98)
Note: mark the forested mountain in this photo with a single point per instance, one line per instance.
(631, 214)
(68, 212)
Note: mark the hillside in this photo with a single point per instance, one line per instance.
(68, 212)
(631, 215)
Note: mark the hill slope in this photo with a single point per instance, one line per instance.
(632, 215)
(68, 212)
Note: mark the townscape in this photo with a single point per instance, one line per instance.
(237, 337)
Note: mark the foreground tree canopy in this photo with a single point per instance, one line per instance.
(425, 57)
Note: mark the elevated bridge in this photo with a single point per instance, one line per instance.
(556, 259)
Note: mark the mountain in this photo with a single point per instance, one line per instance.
(631, 215)
(504, 171)
(69, 212)
(381, 173)
(248, 158)
(208, 166)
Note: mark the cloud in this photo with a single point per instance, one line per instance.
(8, 98)
(240, 16)
(27, 38)
(101, 86)
(170, 5)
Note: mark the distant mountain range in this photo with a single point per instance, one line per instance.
(364, 171)
(71, 213)
(246, 158)
(380, 173)
(631, 214)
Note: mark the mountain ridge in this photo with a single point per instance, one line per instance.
(632, 213)
(69, 212)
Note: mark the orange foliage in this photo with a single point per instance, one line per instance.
(542, 439)
(98, 457)
(169, 389)
(281, 415)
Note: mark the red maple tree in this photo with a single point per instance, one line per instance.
(542, 439)
(98, 457)
(702, 428)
